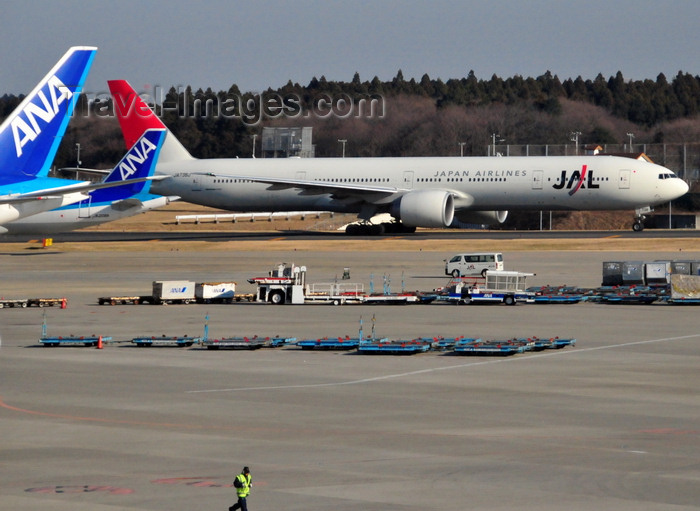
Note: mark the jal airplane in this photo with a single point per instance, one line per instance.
(106, 204)
(416, 191)
(29, 139)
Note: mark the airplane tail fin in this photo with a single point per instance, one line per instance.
(139, 162)
(30, 136)
(135, 117)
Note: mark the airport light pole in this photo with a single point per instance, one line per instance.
(631, 135)
(343, 141)
(461, 148)
(254, 137)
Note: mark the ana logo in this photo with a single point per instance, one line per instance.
(578, 180)
(25, 127)
(138, 154)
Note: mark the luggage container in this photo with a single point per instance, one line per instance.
(632, 273)
(215, 292)
(695, 268)
(657, 272)
(612, 273)
(681, 267)
(173, 291)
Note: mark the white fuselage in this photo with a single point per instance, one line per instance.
(72, 218)
(477, 183)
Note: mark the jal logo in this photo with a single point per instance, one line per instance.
(136, 156)
(27, 126)
(577, 180)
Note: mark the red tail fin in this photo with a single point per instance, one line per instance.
(134, 115)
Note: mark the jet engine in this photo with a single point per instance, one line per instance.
(482, 217)
(425, 208)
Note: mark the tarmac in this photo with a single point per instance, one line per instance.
(611, 423)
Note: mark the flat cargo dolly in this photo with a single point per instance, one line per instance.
(180, 342)
(444, 343)
(549, 343)
(683, 301)
(123, 300)
(325, 343)
(10, 303)
(73, 340)
(558, 299)
(45, 302)
(390, 299)
(501, 348)
(395, 347)
(237, 343)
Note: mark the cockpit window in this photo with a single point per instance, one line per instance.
(667, 175)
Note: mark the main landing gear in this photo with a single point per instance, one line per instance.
(368, 229)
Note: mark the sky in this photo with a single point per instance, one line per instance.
(261, 44)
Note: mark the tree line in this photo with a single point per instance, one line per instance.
(420, 117)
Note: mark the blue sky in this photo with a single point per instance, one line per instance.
(260, 44)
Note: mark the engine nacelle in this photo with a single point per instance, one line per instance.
(425, 208)
(482, 217)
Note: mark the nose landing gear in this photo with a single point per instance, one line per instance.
(639, 217)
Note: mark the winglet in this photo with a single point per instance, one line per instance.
(30, 136)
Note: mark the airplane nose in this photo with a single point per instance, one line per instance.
(680, 188)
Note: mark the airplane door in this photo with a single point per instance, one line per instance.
(84, 208)
(408, 179)
(537, 177)
(624, 180)
(197, 185)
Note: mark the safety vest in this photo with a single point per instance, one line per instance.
(246, 480)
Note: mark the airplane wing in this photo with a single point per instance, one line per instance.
(75, 188)
(364, 192)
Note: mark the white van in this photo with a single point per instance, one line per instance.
(473, 264)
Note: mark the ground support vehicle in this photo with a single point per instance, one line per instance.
(73, 340)
(284, 284)
(399, 347)
(502, 348)
(180, 342)
(215, 292)
(473, 264)
(506, 287)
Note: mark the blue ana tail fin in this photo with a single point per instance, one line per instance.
(139, 162)
(30, 136)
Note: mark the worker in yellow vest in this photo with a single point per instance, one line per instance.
(242, 483)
